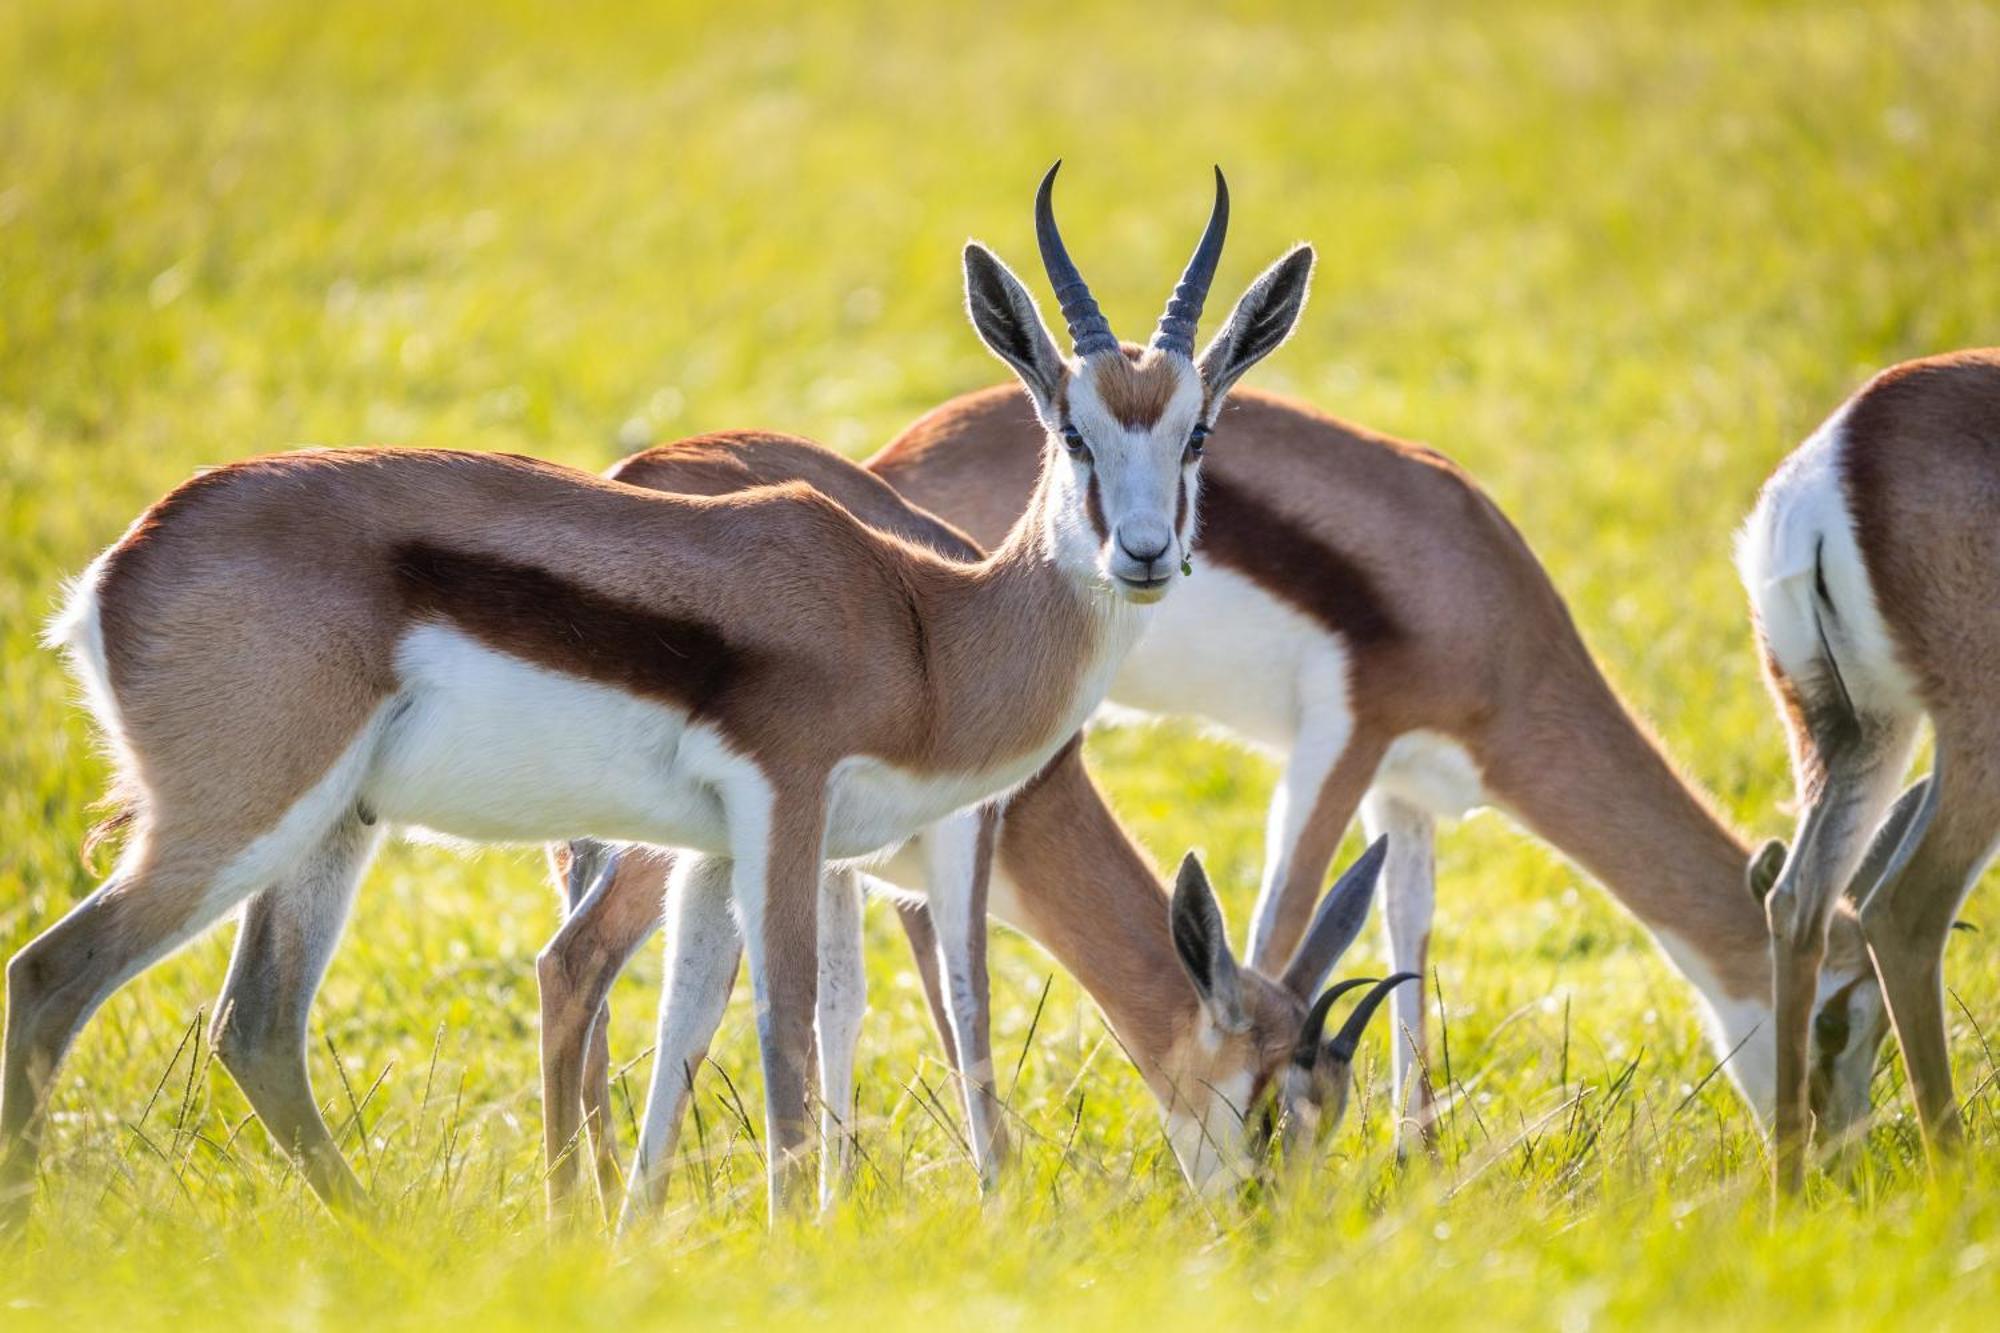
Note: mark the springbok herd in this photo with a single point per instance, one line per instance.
(739, 683)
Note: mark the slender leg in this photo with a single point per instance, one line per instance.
(703, 950)
(916, 919)
(775, 880)
(959, 857)
(622, 906)
(1330, 769)
(287, 938)
(159, 898)
(843, 1000)
(1861, 774)
(590, 860)
(1409, 901)
(1907, 921)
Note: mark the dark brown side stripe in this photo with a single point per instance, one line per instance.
(530, 613)
(1282, 557)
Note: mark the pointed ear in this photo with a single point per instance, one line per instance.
(1203, 945)
(1762, 876)
(1335, 924)
(1012, 327)
(1262, 320)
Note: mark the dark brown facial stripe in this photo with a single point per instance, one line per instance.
(529, 613)
(1180, 503)
(1095, 508)
(1283, 558)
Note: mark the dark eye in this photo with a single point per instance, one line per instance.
(1830, 1027)
(1197, 441)
(1073, 441)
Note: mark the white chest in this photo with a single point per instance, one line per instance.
(1222, 649)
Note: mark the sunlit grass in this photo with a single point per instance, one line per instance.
(1614, 261)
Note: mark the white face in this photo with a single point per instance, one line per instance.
(1130, 442)
(1850, 1022)
(1208, 1136)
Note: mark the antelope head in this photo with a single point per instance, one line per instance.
(1257, 1069)
(1126, 425)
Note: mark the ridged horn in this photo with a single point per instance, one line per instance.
(1177, 325)
(1089, 331)
(1344, 1041)
(1307, 1051)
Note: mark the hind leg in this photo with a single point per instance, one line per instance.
(1908, 919)
(1862, 769)
(288, 936)
(575, 972)
(162, 896)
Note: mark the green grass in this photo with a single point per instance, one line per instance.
(1615, 262)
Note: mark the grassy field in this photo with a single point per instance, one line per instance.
(1615, 263)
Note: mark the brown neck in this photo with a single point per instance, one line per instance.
(1579, 770)
(1086, 894)
(1019, 651)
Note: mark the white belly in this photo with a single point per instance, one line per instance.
(487, 747)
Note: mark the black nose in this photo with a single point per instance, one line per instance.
(1143, 557)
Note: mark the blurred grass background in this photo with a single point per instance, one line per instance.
(1615, 260)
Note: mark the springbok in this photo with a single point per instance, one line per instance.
(291, 652)
(1360, 606)
(1213, 1040)
(1872, 561)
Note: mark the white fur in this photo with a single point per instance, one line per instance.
(951, 850)
(1432, 773)
(1223, 649)
(1739, 1025)
(1409, 902)
(703, 946)
(1802, 521)
(1209, 1143)
(1139, 475)
(488, 747)
(841, 1004)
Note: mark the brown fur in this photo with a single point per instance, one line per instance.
(1921, 470)
(1135, 388)
(1453, 625)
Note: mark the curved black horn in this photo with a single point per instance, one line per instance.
(1176, 331)
(1307, 1050)
(1344, 1041)
(1088, 329)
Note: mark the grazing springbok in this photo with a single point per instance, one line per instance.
(292, 652)
(1360, 606)
(1213, 1041)
(1872, 561)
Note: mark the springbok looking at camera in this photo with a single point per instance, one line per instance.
(1872, 561)
(291, 652)
(1213, 1040)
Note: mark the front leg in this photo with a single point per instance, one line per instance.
(776, 838)
(703, 950)
(958, 856)
(1409, 902)
(843, 1000)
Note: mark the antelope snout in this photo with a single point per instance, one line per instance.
(1142, 555)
